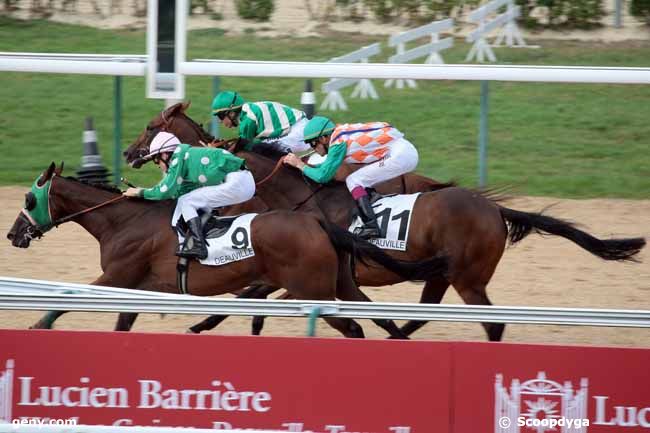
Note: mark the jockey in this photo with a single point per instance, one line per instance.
(200, 178)
(272, 123)
(384, 150)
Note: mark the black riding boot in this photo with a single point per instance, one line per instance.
(194, 245)
(370, 228)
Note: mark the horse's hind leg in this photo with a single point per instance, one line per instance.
(432, 293)
(348, 291)
(347, 327)
(252, 292)
(475, 295)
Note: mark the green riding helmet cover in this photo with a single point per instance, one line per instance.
(226, 101)
(317, 127)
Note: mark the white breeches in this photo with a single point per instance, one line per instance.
(402, 158)
(293, 141)
(237, 187)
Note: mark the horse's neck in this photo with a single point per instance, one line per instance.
(194, 134)
(71, 197)
(287, 189)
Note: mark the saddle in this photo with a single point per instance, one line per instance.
(213, 226)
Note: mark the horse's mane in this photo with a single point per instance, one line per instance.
(199, 127)
(269, 152)
(104, 187)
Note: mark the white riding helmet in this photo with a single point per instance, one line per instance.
(163, 142)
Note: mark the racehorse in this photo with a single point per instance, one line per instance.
(310, 263)
(467, 226)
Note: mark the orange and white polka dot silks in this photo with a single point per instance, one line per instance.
(366, 142)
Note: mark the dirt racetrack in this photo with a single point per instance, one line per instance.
(540, 271)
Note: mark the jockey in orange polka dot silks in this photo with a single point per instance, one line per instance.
(201, 178)
(380, 146)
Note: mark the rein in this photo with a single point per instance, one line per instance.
(60, 221)
(275, 170)
(313, 193)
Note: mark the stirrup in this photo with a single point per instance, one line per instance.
(194, 253)
(368, 231)
(192, 250)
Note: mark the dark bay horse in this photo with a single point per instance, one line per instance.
(468, 227)
(310, 263)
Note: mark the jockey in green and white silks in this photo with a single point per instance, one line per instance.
(201, 178)
(272, 123)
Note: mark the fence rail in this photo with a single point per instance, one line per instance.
(556, 74)
(134, 65)
(184, 304)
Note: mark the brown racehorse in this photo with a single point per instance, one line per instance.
(468, 227)
(310, 263)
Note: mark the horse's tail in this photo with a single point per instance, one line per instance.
(363, 251)
(523, 223)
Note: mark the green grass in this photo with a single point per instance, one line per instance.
(565, 140)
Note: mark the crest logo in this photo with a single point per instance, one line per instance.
(538, 399)
(6, 398)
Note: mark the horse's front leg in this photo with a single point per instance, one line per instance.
(47, 321)
(125, 321)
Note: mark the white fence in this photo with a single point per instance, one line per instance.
(364, 88)
(431, 50)
(523, 73)
(506, 22)
(91, 64)
(144, 302)
(238, 68)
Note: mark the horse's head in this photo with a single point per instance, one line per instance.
(173, 120)
(36, 217)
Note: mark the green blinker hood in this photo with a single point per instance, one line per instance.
(41, 212)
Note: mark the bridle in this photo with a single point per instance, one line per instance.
(36, 231)
(165, 126)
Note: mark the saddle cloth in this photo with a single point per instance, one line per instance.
(228, 239)
(394, 218)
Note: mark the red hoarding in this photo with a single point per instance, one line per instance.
(323, 385)
(607, 389)
(294, 384)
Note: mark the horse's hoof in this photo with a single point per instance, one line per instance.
(37, 326)
(189, 331)
(398, 337)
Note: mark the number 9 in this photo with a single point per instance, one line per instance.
(239, 238)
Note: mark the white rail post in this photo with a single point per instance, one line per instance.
(431, 50)
(510, 32)
(505, 23)
(481, 49)
(363, 89)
